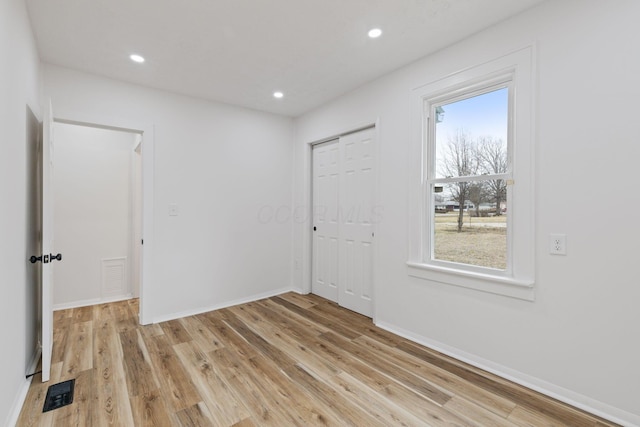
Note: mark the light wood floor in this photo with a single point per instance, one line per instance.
(287, 360)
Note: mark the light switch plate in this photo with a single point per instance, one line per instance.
(173, 209)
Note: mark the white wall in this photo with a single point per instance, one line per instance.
(19, 88)
(92, 213)
(220, 165)
(579, 338)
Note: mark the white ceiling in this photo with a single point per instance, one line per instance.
(241, 51)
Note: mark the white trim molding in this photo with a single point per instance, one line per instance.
(225, 304)
(554, 391)
(21, 396)
(92, 301)
(148, 173)
(515, 70)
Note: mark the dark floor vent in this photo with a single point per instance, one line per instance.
(59, 395)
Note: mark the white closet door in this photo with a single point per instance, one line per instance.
(356, 207)
(324, 269)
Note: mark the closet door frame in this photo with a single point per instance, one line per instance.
(305, 215)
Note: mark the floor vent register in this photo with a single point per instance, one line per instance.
(59, 395)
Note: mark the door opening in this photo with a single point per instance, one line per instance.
(97, 214)
(46, 238)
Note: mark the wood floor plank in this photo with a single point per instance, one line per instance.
(347, 412)
(298, 300)
(270, 374)
(124, 317)
(291, 317)
(61, 331)
(203, 336)
(247, 422)
(286, 360)
(111, 405)
(149, 410)
(284, 340)
(80, 413)
(286, 363)
(264, 406)
(175, 385)
(298, 326)
(141, 380)
(175, 332)
(298, 399)
(385, 411)
(227, 335)
(387, 367)
(524, 418)
(31, 414)
(519, 395)
(134, 307)
(474, 414)
(197, 415)
(332, 325)
(59, 315)
(82, 314)
(152, 330)
(340, 358)
(33, 402)
(349, 319)
(257, 341)
(103, 312)
(78, 355)
(424, 409)
(441, 378)
(225, 407)
(332, 355)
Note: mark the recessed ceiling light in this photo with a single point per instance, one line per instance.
(375, 33)
(137, 58)
(278, 94)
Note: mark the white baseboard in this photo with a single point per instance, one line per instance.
(34, 360)
(572, 398)
(93, 301)
(200, 310)
(18, 403)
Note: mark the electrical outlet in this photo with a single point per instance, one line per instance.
(173, 209)
(557, 244)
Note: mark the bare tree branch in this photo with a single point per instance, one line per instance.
(492, 154)
(460, 158)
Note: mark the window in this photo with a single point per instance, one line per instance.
(467, 174)
(472, 189)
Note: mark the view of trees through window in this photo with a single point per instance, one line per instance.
(469, 180)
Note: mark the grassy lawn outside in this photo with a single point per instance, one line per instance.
(482, 241)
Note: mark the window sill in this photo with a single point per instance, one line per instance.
(506, 286)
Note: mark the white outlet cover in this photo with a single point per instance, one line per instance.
(558, 244)
(173, 209)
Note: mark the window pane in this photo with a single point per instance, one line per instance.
(471, 135)
(475, 234)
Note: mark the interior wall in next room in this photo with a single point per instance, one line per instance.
(93, 213)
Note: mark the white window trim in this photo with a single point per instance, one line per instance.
(518, 280)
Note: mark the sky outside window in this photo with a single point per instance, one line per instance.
(478, 117)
